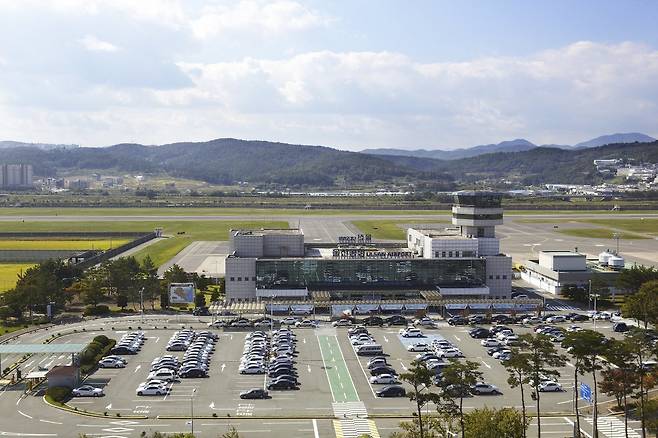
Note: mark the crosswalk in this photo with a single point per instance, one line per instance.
(350, 410)
(558, 305)
(613, 427)
(355, 427)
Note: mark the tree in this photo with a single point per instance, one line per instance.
(175, 274)
(622, 381)
(643, 305)
(640, 350)
(457, 379)
(420, 379)
(631, 279)
(122, 301)
(586, 347)
(231, 433)
(494, 423)
(518, 368)
(124, 277)
(93, 285)
(542, 359)
(575, 293)
(199, 299)
(149, 280)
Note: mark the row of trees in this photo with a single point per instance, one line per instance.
(124, 281)
(622, 363)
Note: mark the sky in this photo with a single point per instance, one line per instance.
(351, 74)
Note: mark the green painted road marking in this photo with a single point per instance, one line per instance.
(340, 380)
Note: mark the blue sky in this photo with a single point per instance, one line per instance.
(349, 74)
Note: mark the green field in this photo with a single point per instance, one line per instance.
(9, 272)
(390, 229)
(52, 244)
(635, 225)
(182, 232)
(247, 212)
(598, 233)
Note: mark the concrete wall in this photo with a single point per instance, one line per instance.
(283, 245)
(499, 276)
(240, 278)
(560, 261)
(246, 245)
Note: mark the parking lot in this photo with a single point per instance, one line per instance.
(333, 382)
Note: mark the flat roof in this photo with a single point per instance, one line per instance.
(266, 231)
(41, 348)
(442, 234)
(563, 253)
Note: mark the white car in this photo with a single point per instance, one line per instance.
(342, 323)
(111, 363)
(166, 374)
(574, 328)
(497, 354)
(289, 321)
(484, 388)
(306, 323)
(418, 347)
(556, 318)
(87, 391)
(449, 353)
(549, 386)
(532, 320)
(490, 342)
(252, 369)
(502, 335)
(511, 340)
(427, 322)
(384, 379)
(411, 333)
(151, 388)
(117, 358)
(217, 324)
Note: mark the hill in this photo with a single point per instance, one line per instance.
(631, 137)
(536, 166)
(226, 161)
(516, 145)
(44, 146)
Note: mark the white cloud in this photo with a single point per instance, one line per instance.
(259, 17)
(93, 44)
(355, 100)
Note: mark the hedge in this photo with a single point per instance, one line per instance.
(99, 347)
(101, 309)
(58, 394)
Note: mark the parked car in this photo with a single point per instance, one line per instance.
(549, 386)
(484, 388)
(306, 323)
(421, 346)
(620, 327)
(384, 379)
(490, 342)
(281, 384)
(87, 391)
(342, 323)
(289, 321)
(391, 391)
(457, 320)
(411, 332)
(383, 369)
(111, 363)
(254, 393)
(151, 388)
(374, 321)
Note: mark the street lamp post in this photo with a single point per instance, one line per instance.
(141, 303)
(192, 411)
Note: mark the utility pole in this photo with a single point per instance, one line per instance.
(192, 410)
(141, 303)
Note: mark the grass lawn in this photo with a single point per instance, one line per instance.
(9, 272)
(632, 225)
(389, 229)
(51, 244)
(598, 233)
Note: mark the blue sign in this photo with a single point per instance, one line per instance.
(586, 392)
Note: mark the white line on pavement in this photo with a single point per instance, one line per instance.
(50, 422)
(458, 338)
(25, 415)
(485, 364)
(315, 429)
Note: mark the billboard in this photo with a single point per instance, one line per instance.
(181, 293)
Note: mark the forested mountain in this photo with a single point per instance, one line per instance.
(630, 137)
(226, 161)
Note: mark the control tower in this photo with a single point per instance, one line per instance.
(477, 213)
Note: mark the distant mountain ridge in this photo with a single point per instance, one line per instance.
(517, 145)
(6, 144)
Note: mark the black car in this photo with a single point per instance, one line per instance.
(123, 350)
(620, 327)
(479, 333)
(194, 373)
(274, 374)
(201, 311)
(396, 320)
(503, 319)
(373, 321)
(254, 393)
(391, 391)
(383, 370)
(281, 384)
(457, 320)
(286, 377)
(579, 317)
(498, 328)
(492, 350)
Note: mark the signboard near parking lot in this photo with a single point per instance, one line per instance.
(586, 392)
(181, 293)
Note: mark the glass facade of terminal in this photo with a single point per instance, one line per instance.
(357, 274)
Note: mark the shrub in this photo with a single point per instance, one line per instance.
(101, 309)
(58, 394)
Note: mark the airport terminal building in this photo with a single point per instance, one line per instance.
(461, 261)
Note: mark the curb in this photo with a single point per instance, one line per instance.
(67, 408)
